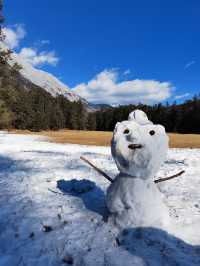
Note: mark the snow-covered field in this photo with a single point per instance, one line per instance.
(47, 219)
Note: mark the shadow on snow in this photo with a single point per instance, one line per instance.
(157, 247)
(91, 195)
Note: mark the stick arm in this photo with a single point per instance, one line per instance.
(97, 169)
(168, 177)
(111, 180)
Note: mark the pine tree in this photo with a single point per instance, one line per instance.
(15, 68)
(91, 124)
(82, 116)
(5, 116)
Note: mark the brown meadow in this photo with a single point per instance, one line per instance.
(102, 138)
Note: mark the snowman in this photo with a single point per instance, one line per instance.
(139, 148)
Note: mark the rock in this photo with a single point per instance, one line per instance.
(68, 259)
(47, 228)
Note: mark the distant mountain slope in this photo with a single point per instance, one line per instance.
(42, 79)
(98, 107)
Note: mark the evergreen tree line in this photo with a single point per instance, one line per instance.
(23, 105)
(181, 118)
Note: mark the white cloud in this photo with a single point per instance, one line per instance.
(35, 58)
(13, 35)
(105, 88)
(182, 96)
(189, 64)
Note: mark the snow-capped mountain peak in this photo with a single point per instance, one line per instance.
(41, 78)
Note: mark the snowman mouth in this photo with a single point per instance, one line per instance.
(134, 146)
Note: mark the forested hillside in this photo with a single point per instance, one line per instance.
(24, 105)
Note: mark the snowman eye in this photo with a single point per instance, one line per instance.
(152, 132)
(126, 131)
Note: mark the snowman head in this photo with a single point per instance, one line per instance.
(138, 146)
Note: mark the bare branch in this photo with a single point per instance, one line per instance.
(169, 177)
(97, 169)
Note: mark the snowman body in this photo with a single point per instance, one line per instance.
(139, 148)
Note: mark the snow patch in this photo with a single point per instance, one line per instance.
(30, 170)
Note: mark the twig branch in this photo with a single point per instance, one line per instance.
(111, 180)
(97, 169)
(168, 177)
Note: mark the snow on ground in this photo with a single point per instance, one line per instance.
(48, 217)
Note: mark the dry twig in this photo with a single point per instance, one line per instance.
(168, 177)
(97, 169)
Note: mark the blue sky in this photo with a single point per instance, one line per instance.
(107, 48)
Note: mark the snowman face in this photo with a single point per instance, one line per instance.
(138, 149)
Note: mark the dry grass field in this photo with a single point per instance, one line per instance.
(101, 138)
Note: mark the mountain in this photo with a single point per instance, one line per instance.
(35, 100)
(42, 79)
(100, 106)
